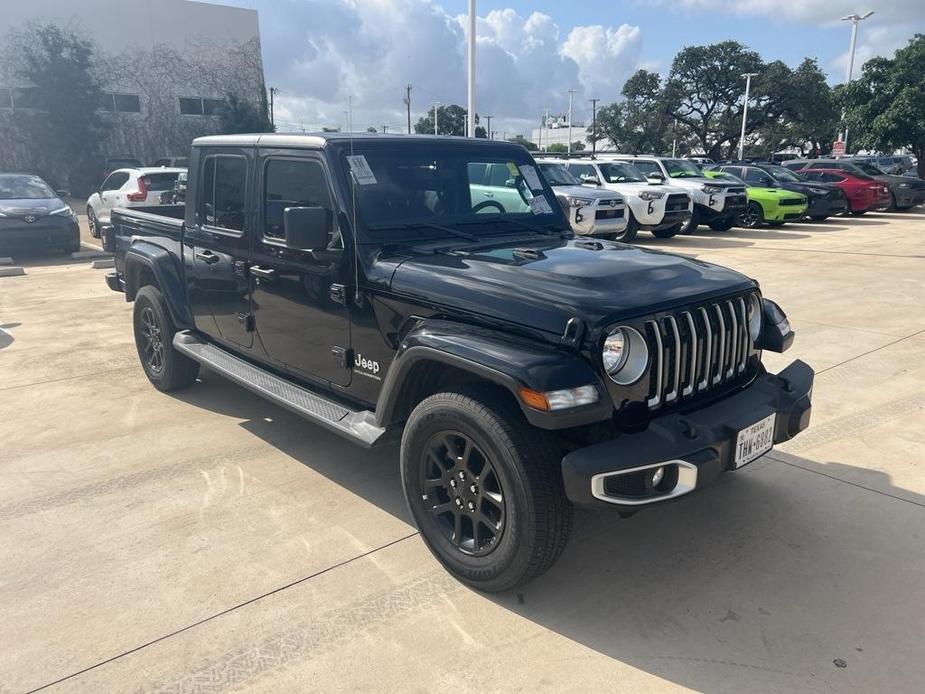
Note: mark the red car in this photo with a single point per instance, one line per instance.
(863, 192)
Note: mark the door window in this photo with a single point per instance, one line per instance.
(582, 170)
(757, 177)
(115, 181)
(734, 170)
(222, 192)
(292, 183)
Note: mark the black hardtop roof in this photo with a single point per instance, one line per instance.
(320, 140)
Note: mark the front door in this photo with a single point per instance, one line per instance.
(219, 244)
(299, 297)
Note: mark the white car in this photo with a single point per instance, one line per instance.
(661, 209)
(133, 187)
(590, 212)
(716, 203)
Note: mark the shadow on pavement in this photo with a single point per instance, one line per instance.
(760, 582)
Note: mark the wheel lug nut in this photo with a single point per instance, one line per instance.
(471, 506)
(462, 475)
(458, 501)
(473, 488)
(452, 483)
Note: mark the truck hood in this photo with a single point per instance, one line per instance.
(543, 284)
(586, 192)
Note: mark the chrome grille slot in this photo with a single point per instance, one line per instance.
(697, 348)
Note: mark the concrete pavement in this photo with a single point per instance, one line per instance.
(208, 541)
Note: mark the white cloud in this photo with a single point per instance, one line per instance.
(319, 51)
(812, 11)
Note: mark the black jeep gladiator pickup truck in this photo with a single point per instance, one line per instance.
(370, 285)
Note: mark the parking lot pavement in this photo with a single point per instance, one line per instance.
(207, 541)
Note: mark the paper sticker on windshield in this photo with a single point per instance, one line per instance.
(361, 171)
(529, 174)
(539, 205)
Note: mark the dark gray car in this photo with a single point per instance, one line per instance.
(33, 216)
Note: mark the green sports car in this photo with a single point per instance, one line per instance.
(771, 206)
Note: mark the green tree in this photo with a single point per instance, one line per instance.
(451, 120)
(562, 148)
(241, 116)
(65, 128)
(521, 140)
(885, 108)
(705, 92)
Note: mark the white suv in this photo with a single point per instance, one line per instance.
(132, 187)
(661, 209)
(716, 203)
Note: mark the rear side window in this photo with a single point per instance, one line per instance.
(292, 183)
(115, 181)
(160, 181)
(582, 170)
(224, 181)
(757, 176)
(734, 170)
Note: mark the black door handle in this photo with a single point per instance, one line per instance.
(262, 272)
(208, 257)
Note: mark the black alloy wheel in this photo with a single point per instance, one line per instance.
(462, 492)
(752, 217)
(153, 345)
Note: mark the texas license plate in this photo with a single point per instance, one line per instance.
(755, 441)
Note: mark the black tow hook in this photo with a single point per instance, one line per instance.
(688, 429)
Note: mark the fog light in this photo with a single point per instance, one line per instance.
(658, 476)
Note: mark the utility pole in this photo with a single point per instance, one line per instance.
(593, 125)
(748, 85)
(408, 105)
(571, 93)
(385, 129)
(470, 69)
(855, 19)
(488, 129)
(350, 113)
(674, 139)
(435, 117)
(273, 91)
(544, 129)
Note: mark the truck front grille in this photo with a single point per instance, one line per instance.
(677, 202)
(696, 349)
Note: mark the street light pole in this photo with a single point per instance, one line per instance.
(748, 85)
(593, 125)
(855, 19)
(470, 130)
(435, 117)
(571, 93)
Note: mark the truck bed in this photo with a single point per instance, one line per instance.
(163, 224)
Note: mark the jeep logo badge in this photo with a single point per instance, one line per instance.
(370, 367)
(29, 218)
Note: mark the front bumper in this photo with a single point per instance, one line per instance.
(908, 197)
(827, 206)
(43, 233)
(699, 445)
(732, 207)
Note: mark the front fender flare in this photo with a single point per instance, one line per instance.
(165, 269)
(505, 360)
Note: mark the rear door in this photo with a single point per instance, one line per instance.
(299, 297)
(219, 244)
(109, 194)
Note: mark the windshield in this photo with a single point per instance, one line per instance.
(622, 172)
(678, 168)
(558, 175)
(422, 188)
(726, 176)
(24, 188)
(782, 174)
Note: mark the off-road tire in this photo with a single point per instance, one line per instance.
(667, 232)
(629, 233)
(175, 370)
(724, 225)
(690, 226)
(536, 517)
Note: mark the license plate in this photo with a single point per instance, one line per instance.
(755, 441)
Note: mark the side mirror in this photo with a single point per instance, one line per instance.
(765, 182)
(63, 193)
(510, 183)
(590, 179)
(307, 228)
(655, 178)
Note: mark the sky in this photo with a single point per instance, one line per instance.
(322, 53)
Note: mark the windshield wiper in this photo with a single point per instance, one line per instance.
(426, 225)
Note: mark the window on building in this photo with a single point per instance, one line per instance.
(224, 180)
(212, 107)
(26, 97)
(6, 97)
(127, 103)
(292, 183)
(190, 106)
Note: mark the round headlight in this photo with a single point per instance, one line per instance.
(625, 355)
(754, 317)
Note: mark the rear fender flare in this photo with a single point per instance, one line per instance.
(145, 260)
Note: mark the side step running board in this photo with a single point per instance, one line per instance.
(358, 426)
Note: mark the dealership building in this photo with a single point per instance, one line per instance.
(165, 67)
